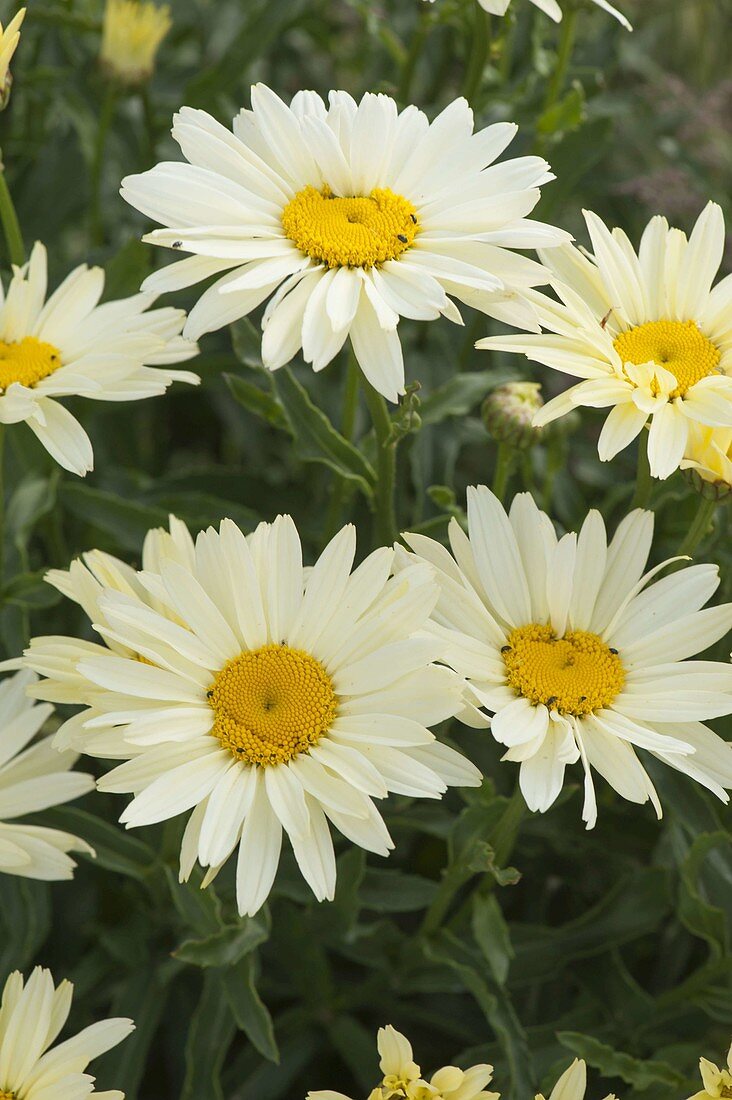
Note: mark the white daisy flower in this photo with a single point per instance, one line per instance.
(550, 8)
(32, 1014)
(403, 1079)
(347, 218)
(572, 1085)
(647, 333)
(577, 655)
(33, 777)
(265, 698)
(56, 657)
(69, 345)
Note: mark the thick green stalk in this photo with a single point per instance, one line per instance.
(95, 204)
(413, 55)
(341, 489)
(504, 466)
(386, 525)
(700, 526)
(11, 225)
(479, 53)
(643, 480)
(2, 503)
(564, 56)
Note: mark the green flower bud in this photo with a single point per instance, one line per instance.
(508, 413)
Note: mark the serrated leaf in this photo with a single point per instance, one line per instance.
(257, 401)
(613, 1063)
(225, 947)
(251, 1014)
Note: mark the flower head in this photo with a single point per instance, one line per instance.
(131, 37)
(647, 334)
(69, 345)
(32, 1014)
(403, 1079)
(346, 218)
(572, 1085)
(551, 8)
(33, 777)
(717, 1082)
(266, 698)
(576, 654)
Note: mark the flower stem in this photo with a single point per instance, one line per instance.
(341, 489)
(412, 57)
(564, 56)
(11, 225)
(386, 526)
(2, 503)
(700, 526)
(480, 49)
(95, 205)
(504, 466)
(643, 481)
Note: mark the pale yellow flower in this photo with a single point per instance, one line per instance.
(572, 1085)
(708, 460)
(9, 38)
(717, 1082)
(131, 37)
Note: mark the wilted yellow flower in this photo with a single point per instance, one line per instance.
(9, 39)
(708, 461)
(132, 34)
(717, 1082)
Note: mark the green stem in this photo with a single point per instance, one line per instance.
(479, 51)
(643, 481)
(11, 225)
(2, 503)
(564, 56)
(95, 205)
(699, 527)
(386, 526)
(504, 466)
(341, 489)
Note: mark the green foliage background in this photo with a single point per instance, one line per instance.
(491, 934)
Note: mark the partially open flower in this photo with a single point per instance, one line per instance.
(707, 464)
(131, 38)
(9, 39)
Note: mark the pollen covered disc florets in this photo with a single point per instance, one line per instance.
(271, 704)
(360, 231)
(678, 346)
(27, 361)
(575, 674)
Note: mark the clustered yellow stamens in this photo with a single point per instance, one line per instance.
(271, 704)
(576, 674)
(678, 346)
(350, 232)
(27, 361)
(7, 1095)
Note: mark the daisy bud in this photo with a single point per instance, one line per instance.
(508, 414)
(9, 39)
(131, 37)
(707, 464)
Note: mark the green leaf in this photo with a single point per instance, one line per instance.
(209, 1037)
(34, 498)
(126, 520)
(492, 936)
(225, 947)
(25, 921)
(257, 401)
(612, 1063)
(199, 909)
(116, 850)
(396, 891)
(251, 1014)
(247, 344)
(566, 115)
(30, 590)
(142, 997)
(697, 913)
(461, 393)
(316, 440)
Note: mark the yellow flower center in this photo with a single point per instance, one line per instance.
(678, 346)
(271, 704)
(575, 674)
(7, 1096)
(726, 1090)
(27, 361)
(350, 232)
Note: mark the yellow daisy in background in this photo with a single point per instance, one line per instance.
(131, 36)
(56, 657)
(265, 697)
(347, 217)
(9, 39)
(33, 777)
(576, 654)
(717, 1082)
(647, 333)
(31, 1016)
(403, 1079)
(551, 8)
(69, 345)
(708, 460)
(572, 1085)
